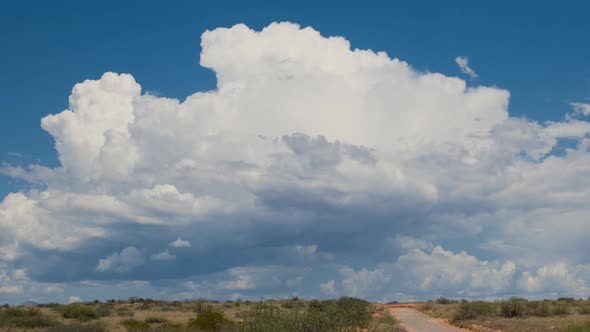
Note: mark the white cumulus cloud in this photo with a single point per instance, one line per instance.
(328, 288)
(125, 261)
(74, 299)
(307, 140)
(460, 273)
(180, 243)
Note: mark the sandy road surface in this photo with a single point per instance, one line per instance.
(415, 321)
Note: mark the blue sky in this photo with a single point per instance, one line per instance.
(276, 218)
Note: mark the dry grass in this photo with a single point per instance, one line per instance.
(532, 316)
(112, 316)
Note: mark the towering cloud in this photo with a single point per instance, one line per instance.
(304, 140)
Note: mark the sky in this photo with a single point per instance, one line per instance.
(385, 150)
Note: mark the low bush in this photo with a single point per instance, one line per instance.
(315, 305)
(24, 318)
(156, 320)
(566, 299)
(354, 312)
(290, 304)
(539, 309)
(104, 309)
(585, 327)
(427, 306)
(135, 299)
(443, 300)
(170, 327)
(79, 311)
(124, 312)
(584, 310)
(345, 314)
(201, 306)
(474, 310)
(512, 308)
(560, 310)
(209, 321)
(264, 317)
(134, 325)
(144, 306)
(385, 323)
(77, 327)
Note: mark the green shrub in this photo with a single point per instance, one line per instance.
(156, 320)
(427, 306)
(385, 323)
(443, 300)
(104, 309)
(201, 306)
(566, 299)
(24, 318)
(354, 312)
(265, 317)
(288, 305)
(539, 309)
(584, 310)
(560, 310)
(209, 321)
(578, 327)
(171, 327)
(124, 312)
(134, 325)
(345, 314)
(79, 311)
(291, 304)
(474, 310)
(315, 305)
(512, 308)
(77, 327)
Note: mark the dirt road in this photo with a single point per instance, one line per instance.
(415, 321)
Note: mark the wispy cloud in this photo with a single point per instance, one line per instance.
(463, 63)
(163, 256)
(581, 108)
